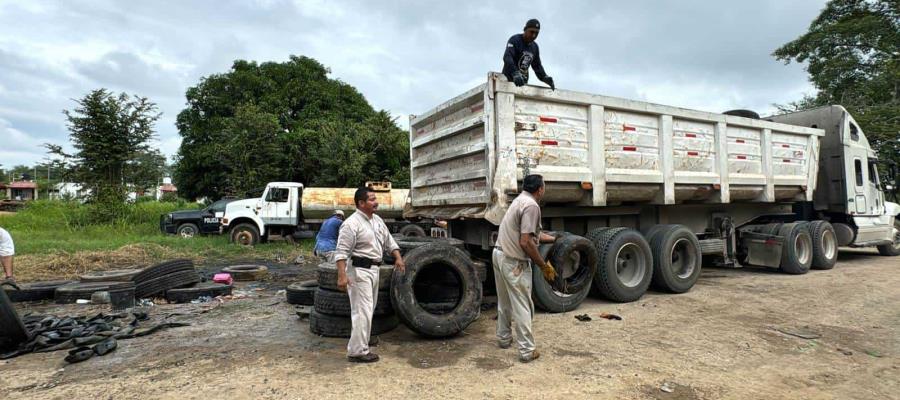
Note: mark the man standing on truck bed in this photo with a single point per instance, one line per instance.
(516, 249)
(326, 239)
(521, 53)
(363, 239)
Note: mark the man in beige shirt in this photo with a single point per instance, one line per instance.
(516, 250)
(363, 239)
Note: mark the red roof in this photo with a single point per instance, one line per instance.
(168, 187)
(23, 185)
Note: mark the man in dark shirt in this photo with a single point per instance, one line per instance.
(521, 53)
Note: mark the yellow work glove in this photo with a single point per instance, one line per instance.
(549, 272)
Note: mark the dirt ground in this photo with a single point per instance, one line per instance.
(724, 339)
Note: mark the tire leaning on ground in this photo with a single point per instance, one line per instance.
(302, 293)
(12, 331)
(187, 230)
(575, 260)
(412, 230)
(893, 249)
(796, 252)
(676, 259)
(625, 266)
(245, 235)
(405, 303)
(824, 245)
(337, 326)
(338, 303)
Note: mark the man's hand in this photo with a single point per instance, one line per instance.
(343, 282)
(548, 271)
(518, 79)
(399, 265)
(549, 81)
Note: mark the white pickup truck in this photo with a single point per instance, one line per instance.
(290, 210)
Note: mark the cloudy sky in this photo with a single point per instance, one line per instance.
(405, 57)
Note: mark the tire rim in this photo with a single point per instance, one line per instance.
(803, 249)
(829, 245)
(630, 265)
(243, 238)
(187, 232)
(683, 259)
(565, 273)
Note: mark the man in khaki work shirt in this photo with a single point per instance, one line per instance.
(516, 249)
(363, 239)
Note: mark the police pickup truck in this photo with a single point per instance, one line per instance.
(188, 223)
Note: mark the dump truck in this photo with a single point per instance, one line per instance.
(290, 210)
(657, 191)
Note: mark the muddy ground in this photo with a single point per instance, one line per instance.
(724, 339)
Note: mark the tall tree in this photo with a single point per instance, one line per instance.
(852, 51)
(283, 121)
(108, 133)
(145, 170)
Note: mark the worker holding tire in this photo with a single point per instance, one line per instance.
(363, 239)
(7, 251)
(515, 251)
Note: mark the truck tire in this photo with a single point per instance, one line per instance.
(187, 230)
(12, 331)
(824, 245)
(575, 260)
(158, 286)
(162, 269)
(796, 253)
(326, 276)
(676, 259)
(338, 303)
(196, 291)
(412, 230)
(625, 266)
(893, 249)
(116, 275)
(340, 327)
(247, 272)
(409, 243)
(406, 305)
(68, 294)
(245, 235)
(36, 291)
(302, 293)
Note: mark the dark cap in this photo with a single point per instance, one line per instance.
(533, 23)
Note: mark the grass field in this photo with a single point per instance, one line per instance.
(56, 239)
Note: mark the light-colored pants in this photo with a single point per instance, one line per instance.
(513, 279)
(363, 291)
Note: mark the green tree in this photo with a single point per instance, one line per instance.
(852, 51)
(283, 121)
(145, 170)
(108, 133)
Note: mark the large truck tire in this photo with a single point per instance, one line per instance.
(412, 230)
(409, 243)
(326, 275)
(625, 266)
(575, 260)
(302, 293)
(196, 291)
(824, 245)
(245, 235)
(12, 331)
(893, 249)
(340, 327)
(676, 259)
(406, 304)
(36, 291)
(796, 252)
(338, 303)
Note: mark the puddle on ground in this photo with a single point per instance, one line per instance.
(491, 364)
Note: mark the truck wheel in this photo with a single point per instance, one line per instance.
(796, 253)
(676, 259)
(188, 230)
(893, 249)
(412, 230)
(338, 303)
(337, 326)
(406, 304)
(625, 266)
(824, 245)
(245, 235)
(575, 260)
(302, 293)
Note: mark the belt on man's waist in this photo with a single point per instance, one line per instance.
(362, 262)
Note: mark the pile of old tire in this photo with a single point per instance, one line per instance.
(302, 293)
(75, 291)
(155, 280)
(440, 293)
(408, 243)
(330, 316)
(575, 260)
(35, 291)
(196, 291)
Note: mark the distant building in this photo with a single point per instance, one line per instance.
(166, 187)
(68, 190)
(22, 190)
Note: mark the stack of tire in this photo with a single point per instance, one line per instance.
(330, 316)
